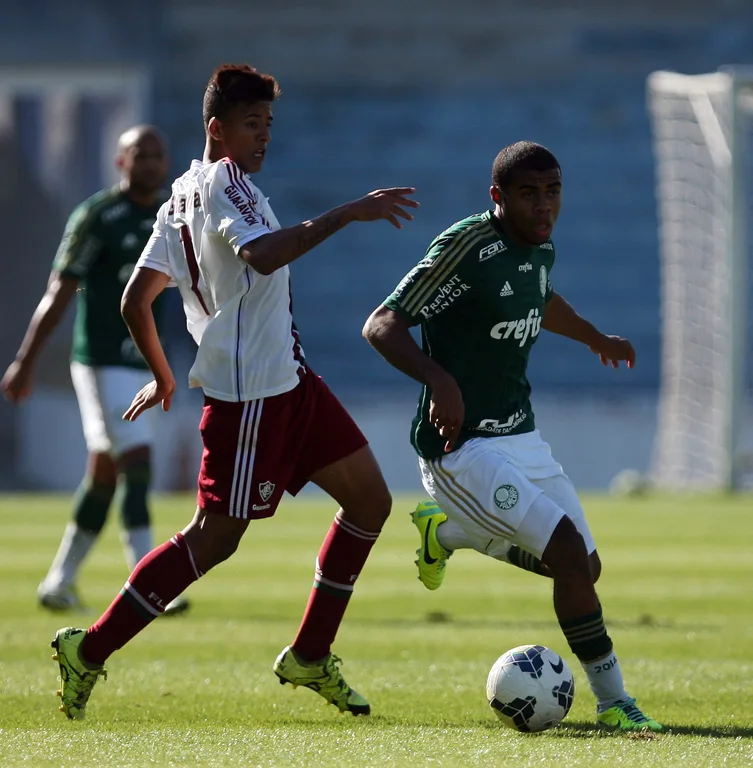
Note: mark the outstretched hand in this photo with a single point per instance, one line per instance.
(612, 349)
(149, 396)
(386, 204)
(16, 383)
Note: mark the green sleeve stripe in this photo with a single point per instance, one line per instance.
(440, 270)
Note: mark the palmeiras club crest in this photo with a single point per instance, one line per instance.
(266, 490)
(543, 279)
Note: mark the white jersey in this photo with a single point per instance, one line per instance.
(241, 320)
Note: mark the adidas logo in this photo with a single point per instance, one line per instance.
(506, 289)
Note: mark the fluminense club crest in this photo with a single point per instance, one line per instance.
(266, 490)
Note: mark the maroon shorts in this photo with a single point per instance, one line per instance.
(255, 450)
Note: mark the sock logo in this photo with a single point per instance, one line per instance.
(607, 665)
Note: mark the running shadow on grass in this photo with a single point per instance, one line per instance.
(581, 729)
(716, 732)
(642, 623)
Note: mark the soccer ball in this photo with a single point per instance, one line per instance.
(530, 688)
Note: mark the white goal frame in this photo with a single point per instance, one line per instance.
(728, 149)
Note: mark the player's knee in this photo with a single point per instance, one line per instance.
(101, 469)
(376, 512)
(136, 461)
(565, 554)
(212, 540)
(209, 552)
(594, 562)
(382, 504)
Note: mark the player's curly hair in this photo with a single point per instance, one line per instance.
(233, 84)
(521, 156)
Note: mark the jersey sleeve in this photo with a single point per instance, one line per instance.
(155, 253)
(439, 282)
(81, 244)
(234, 208)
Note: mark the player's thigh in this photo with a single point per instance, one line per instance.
(335, 456)
(87, 389)
(561, 491)
(490, 497)
(104, 394)
(356, 483)
(117, 388)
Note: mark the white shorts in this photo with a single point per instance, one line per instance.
(489, 487)
(104, 394)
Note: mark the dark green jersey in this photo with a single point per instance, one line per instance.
(102, 242)
(480, 301)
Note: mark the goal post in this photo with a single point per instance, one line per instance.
(700, 137)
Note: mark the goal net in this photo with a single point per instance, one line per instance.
(700, 133)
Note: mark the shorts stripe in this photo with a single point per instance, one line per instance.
(454, 497)
(469, 503)
(255, 421)
(239, 453)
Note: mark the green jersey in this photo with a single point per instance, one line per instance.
(479, 299)
(102, 242)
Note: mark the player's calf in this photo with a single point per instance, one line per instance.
(582, 622)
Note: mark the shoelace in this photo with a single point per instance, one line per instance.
(333, 668)
(632, 711)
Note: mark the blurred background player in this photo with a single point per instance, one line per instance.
(269, 423)
(103, 240)
(482, 294)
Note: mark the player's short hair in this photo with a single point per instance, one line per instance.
(233, 84)
(521, 156)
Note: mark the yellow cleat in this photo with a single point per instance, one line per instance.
(323, 677)
(626, 716)
(77, 679)
(432, 556)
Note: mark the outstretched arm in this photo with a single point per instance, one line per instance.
(277, 249)
(562, 319)
(16, 383)
(389, 333)
(136, 307)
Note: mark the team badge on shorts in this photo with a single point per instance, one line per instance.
(542, 280)
(267, 489)
(506, 496)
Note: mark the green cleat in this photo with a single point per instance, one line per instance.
(76, 679)
(432, 556)
(625, 716)
(323, 677)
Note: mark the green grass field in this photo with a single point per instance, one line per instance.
(198, 690)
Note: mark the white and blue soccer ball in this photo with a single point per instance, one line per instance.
(530, 688)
